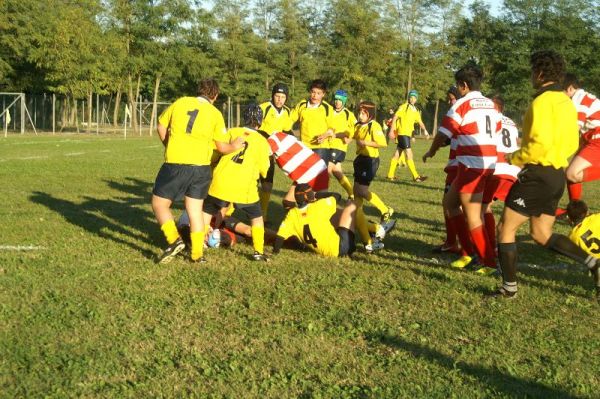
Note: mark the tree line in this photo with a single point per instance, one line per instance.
(376, 50)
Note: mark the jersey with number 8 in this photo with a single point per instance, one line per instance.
(193, 124)
(507, 143)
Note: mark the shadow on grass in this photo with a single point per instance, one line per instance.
(489, 377)
(118, 220)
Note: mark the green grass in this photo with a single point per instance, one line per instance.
(89, 313)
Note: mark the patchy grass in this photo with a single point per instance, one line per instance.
(88, 313)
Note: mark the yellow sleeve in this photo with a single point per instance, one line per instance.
(378, 135)
(295, 113)
(220, 132)
(165, 118)
(286, 229)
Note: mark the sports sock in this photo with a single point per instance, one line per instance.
(345, 183)
(450, 232)
(265, 196)
(169, 229)
(230, 210)
(462, 230)
(362, 226)
(575, 190)
(564, 246)
(490, 228)
(482, 244)
(197, 238)
(377, 203)
(591, 174)
(392, 169)
(411, 166)
(507, 254)
(258, 239)
(372, 226)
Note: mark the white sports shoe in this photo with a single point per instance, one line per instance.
(374, 246)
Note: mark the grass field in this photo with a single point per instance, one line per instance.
(85, 311)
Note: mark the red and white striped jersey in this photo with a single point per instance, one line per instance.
(452, 161)
(507, 143)
(296, 160)
(588, 114)
(474, 123)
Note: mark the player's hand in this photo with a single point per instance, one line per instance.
(508, 158)
(238, 143)
(322, 138)
(428, 154)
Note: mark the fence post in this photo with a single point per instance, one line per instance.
(53, 113)
(22, 113)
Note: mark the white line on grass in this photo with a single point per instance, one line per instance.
(73, 154)
(24, 158)
(21, 248)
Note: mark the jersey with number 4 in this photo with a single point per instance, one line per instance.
(474, 123)
(587, 235)
(235, 177)
(193, 124)
(507, 143)
(311, 225)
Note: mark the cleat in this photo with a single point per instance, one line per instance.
(444, 248)
(374, 246)
(561, 213)
(260, 257)
(388, 215)
(462, 262)
(486, 271)
(387, 227)
(420, 179)
(171, 251)
(201, 259)
(501, 293)
(391, 178)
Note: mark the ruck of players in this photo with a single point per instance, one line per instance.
(224, 178)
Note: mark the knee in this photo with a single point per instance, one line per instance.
(540, 237)
(574, 176)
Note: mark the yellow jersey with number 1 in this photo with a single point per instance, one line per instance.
(193, 124)
(311, 225)
(587, 235)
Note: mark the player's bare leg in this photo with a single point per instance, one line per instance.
(335, 169)
(363, 192)
(576, 175)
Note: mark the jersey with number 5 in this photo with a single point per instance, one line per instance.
(193, 124)
(587, 235)
(474, 123)
(235, 177)
(507, 143)
(311, 225)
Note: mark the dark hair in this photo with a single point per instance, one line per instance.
(499, 101)
(208, 88)
(454, 91)
(253, 115)
(304, 194)
(570, 79)
(470, 74)
(577, 211)
(369, 107)
(318, 84)
(550, 64)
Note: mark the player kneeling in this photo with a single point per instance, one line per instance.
(307, 223)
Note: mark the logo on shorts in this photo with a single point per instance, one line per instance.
(363, 174)
(520, 202)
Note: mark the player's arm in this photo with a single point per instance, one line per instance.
(327, 194)
(378, 142)
(440, 140)
(163, 133)
(228, 148)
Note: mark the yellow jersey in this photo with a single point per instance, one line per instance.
(587, 235)
(370, 131)
(311, 225)
(550, 130)
(193, 124)
(236, 175)
(406, 117)
(275, 121)
(343, 122)
(314, 121)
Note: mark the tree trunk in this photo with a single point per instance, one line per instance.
(117, 105)
(154, 107)
(435, 118)
(137, 95)
(76, 114)
(89, 112)
(132, 103)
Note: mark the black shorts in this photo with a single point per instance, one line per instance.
(403, 142)
(177, 180)
(323, 153)
(537, 190)
(270, 173)
(213, 205)
(365, 169)
(347, 244)
(336, 156)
